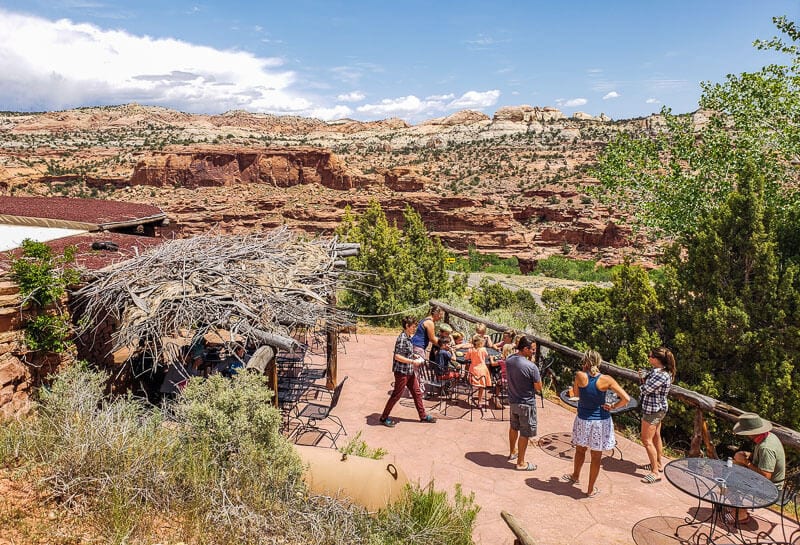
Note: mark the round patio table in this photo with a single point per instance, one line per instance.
(712, 481)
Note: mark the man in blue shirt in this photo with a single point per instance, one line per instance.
(523, 383)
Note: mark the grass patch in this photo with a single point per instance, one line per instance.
(211, 468)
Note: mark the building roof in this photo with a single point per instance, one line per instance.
(129, 246)
(89, 214)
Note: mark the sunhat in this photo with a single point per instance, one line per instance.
(751, 424)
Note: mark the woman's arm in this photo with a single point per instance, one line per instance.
(429, 328)
(623, 396)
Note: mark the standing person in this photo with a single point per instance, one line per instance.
(523, 383)
(768, 457)
(593, 428)
(404, 363)
(654, 389)
(479, 375)
(426, 334)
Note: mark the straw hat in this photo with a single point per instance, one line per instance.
(751, 424)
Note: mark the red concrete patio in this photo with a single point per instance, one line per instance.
(455, 450)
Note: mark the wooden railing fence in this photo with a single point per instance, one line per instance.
(701, 403)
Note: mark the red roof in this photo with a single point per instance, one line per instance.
(83, 210)
(96, 259)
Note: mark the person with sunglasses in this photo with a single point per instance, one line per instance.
(654, 388)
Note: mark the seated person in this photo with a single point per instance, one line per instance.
(236, 361)
(480, 329)
(444, 332)
(508, 338)
(458, 341)
(768, 457)
(444, 365)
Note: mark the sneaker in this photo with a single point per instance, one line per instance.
(388, 422)
(429, 419)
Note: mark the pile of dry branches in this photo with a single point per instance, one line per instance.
(259, 287)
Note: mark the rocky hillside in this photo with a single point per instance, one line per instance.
(513, 184)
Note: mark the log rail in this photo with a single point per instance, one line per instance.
(702, 403)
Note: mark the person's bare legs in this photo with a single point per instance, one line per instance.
(513, 435)
(577, 463)
(647, 435)
(522, 446)
(594, 469)
(659, 446)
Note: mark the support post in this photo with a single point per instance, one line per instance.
(697, 433)
(332, 346)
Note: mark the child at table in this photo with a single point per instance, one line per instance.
(458, 341)
(478, 371)
(480, 329)
(445, 367)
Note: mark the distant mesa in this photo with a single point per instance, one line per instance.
(527, 114)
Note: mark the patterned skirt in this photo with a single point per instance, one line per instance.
(594, 434)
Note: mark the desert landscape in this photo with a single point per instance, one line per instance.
(514, 184)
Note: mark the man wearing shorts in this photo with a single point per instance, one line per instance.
(523, 383)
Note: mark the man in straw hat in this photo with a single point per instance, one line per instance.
(768, 457)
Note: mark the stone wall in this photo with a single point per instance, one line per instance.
(20, 371)
(15, 377)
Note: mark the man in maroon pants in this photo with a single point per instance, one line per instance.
(403, 364)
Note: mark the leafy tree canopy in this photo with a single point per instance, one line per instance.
(671, 180)
(401, 269)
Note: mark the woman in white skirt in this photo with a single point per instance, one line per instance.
(593, 428)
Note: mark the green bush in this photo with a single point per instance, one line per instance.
(214, 464)
(475, 261)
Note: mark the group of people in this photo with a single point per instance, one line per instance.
(593, 428)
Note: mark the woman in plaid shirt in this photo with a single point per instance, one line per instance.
(654, 388)
(404, 362)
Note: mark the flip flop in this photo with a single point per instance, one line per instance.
(651, 478)
(512, 457)
(530, 467)
(567, 478)
(594, 493)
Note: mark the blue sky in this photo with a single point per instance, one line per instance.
(376, 59)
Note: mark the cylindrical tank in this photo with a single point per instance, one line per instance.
(373, 484)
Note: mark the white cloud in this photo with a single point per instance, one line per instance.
(412, 107)
(396, 106)
(653, 101)
(326, 114)
(612, 94)
(60, 64)
(354, 96)
(476, 99)
(570, 102)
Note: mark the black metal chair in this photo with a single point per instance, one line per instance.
(788, 504)
(435, 386)
(547, 375)
(312, 414)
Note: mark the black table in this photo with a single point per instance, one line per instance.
(611, 398)
(723, 487)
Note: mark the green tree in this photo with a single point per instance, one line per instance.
(620, 322)
(680, 175)
(736, 309)
(399, 269)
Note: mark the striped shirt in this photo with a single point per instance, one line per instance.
(403, 347)
(654, 391)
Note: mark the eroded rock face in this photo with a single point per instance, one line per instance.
(277, 167)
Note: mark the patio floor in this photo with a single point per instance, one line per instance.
(455, 450)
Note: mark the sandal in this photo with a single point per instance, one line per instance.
(389, 423)
(651, 478)
(593, 493)
(512, 457)
(530, 467)
(429, 419)
(567, 478)
(645, 467)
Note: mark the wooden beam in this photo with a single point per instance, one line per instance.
(522, 536)
(332, 347)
